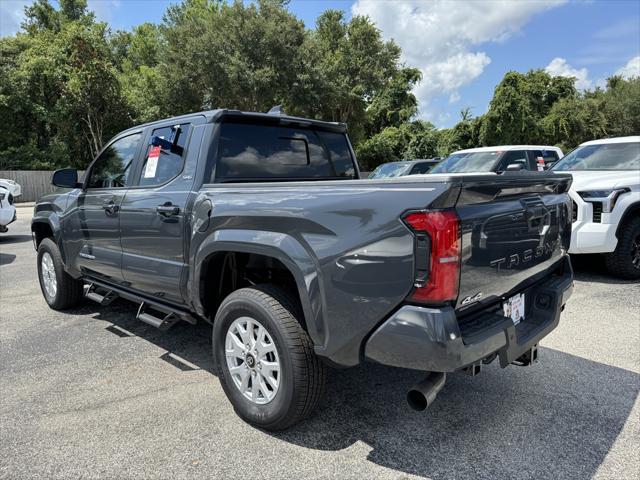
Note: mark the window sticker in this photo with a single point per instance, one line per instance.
(152, 162)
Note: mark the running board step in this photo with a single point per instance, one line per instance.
(161, 323)
(103, 296)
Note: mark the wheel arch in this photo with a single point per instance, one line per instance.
(276, 249)
(632, 211)
(43, 225)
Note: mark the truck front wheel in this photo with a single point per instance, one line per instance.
(59, 289)
(265, 359)
(624, 261)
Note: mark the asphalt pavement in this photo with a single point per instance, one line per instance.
(93, 393)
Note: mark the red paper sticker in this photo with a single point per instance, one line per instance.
(154, 152)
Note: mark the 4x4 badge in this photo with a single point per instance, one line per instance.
(472, 298)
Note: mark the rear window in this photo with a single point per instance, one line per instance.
(257, 152)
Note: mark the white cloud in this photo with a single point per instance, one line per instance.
(631, 69)
(11, 16)
(441, 37)
(560, 68)
(104, 9)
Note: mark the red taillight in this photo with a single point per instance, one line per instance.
(443, 230)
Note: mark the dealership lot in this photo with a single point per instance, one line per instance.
(95, 393)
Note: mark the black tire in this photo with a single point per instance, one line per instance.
(620, 262)
(303, 375)
(69, 290)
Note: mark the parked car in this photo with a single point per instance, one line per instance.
(405, 167)
(499, 159)
(258, 224)
(606, 202)
(7, 209)
(12, 186)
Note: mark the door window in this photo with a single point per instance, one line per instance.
(112, 169)
(514, 156)
(164, 156)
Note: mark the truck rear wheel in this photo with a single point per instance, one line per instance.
(60, 290)
(624, 261)
(265, 359)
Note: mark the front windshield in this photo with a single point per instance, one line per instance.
(468, 162)
(608, 156)
(389, 170)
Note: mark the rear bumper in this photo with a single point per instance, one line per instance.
(432, 339)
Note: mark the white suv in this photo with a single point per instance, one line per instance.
(606, 201)
(535, 158)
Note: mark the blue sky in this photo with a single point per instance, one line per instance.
(463, 47)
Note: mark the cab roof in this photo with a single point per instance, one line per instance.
(604, 141)
(212, 116)
(506, 148)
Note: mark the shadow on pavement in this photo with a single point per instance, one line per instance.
(190, 342)
(8, 239)
(556, 419)
(7, 258)
(591, 268)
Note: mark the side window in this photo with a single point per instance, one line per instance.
(550, 157)
(420, 168)
(258, 152)
(112, 169)
(515, 156)
(164, 156)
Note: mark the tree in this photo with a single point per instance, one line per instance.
(408, 141)
(394, 104)
(621, 103)
(229, 55)
(519, 102)
(354, 65)
(62, 91)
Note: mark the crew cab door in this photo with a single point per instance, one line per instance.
(92, 229)
(154, 216)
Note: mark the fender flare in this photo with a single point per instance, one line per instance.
(283, 247)
(632, 209)
(53, 222)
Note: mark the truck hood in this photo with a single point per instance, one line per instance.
(603, 179)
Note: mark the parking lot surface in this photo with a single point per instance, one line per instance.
(93, 393)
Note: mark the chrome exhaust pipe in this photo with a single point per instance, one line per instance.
(423, 394)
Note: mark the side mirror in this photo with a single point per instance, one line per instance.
(514, 167)
(65, 178)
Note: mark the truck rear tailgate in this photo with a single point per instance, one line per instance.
(513, 227)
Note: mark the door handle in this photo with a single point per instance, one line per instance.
(168, 210)
(110, 207)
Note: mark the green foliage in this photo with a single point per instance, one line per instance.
(412, 140)
(519, 102)
(67, 83)
(59, 89)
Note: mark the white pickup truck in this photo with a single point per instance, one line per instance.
(7, 209)
(606, 202)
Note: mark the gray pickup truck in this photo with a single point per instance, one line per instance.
(260, 225)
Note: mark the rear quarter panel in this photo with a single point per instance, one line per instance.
(344, 242)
